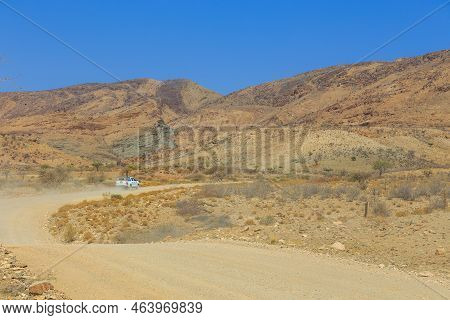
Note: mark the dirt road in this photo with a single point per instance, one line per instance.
(191, 270)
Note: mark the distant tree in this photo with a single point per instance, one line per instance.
(128, 169)
(97, 165)
(381, 166)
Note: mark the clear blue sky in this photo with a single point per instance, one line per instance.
(222, 45)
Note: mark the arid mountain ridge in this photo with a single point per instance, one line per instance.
(84, 121)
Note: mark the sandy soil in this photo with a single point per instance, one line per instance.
(197, 269)
(216, 270)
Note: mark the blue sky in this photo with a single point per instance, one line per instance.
(222, 45)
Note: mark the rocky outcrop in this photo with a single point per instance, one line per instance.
(18, 282)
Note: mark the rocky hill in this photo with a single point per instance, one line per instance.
(85, 121)
(409, 91)
(81, 123)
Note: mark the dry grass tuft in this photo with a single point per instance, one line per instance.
(437, 202)
(379, 208)
(249, 222)
(404, 191)
(257, 189)
(267, 220)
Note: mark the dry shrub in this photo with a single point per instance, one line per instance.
(95, 178)
(267, 220)
(88, 236)
(209, 222)
(189, 207)
(69, 234)
(297, 191)
(115, 196)
(339, 191)
(171, 204)
(273, 239)
(53, 176)
(60, 223)
(435, 186)
(310, 190)
(361, 178)
(218, 190)
(408, 193)
(422, 190)
(325, 192)
(196, 177)
(61, 214)
(127, 202)
(404, 191)
(257, 189)
(249, 222)
(437, 202)
(403, 213)
(220, 173)
(421, 211)
(379, 208)
(352, 193)
(293, 192)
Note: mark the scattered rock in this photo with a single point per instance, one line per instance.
(20, 265)
(39, 288)
(440, 252)
(338, 246)
(381, 266)
(246, 229)
(281, 241)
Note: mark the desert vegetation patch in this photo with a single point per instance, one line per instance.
(397, 219)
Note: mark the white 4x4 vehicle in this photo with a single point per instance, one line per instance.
(127, 182)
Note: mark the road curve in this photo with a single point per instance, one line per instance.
(191, 270)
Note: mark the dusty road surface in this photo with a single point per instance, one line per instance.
(191, 270)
